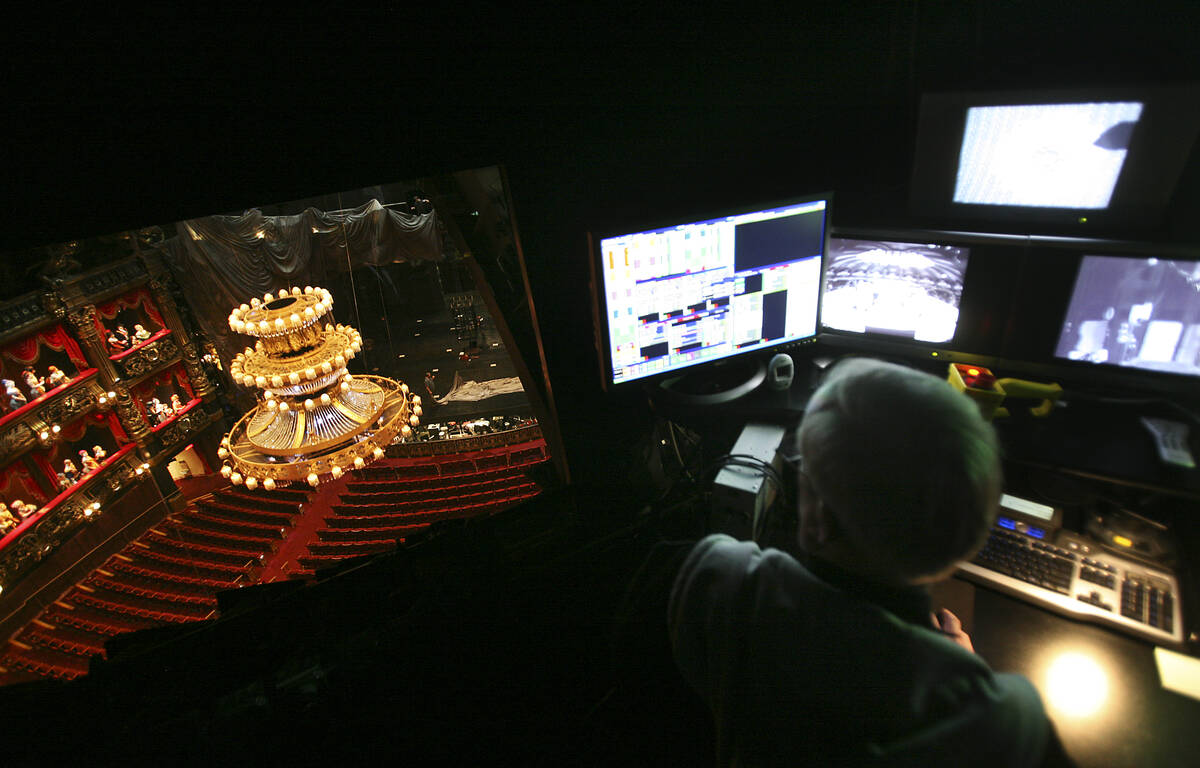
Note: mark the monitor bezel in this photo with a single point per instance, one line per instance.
(630, 227)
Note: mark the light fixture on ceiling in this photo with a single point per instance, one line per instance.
(313, 418)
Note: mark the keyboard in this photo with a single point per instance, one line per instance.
(1075, 577)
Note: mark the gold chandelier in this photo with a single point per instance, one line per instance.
(313, 418)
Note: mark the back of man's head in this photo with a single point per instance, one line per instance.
(905, 464)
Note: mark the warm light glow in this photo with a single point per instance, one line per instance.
(972, 371)
(269, 484)
(1076, 685)
(1122, 541)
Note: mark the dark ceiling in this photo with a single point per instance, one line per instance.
(597, 110)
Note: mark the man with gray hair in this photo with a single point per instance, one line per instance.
(836, 657)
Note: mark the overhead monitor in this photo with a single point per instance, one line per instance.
(906, 290)
(1045, 155)
(1090, 160)
(1134, 312)
(677, 296)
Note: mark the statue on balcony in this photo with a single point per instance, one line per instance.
(14, 398)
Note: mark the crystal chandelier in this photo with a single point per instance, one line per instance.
(313, 418)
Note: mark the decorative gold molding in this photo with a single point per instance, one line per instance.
(130, 417)
(15, 440)
(185, 426)
(149, 358)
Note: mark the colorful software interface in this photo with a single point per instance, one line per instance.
(1141, 313)
(683, 295)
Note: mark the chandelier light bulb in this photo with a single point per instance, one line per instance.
(236, 478)
(359, 463)
(336, 472)
(406, 431)
(325, 399)
(283, 406)
(222, 453)
(377, 453)
(252, 483)
(413, 420)
(309, 404)
(313, 480)
(417, 410)
(416, 399)
(269, 484)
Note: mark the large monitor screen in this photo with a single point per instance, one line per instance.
(683, 295)
(910, 290)
(1137, 312)
(1045, 155)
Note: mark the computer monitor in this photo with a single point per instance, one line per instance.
(674, 297)
(1088, 161)
(1135, 312)
(898, 289)
(1045, 155)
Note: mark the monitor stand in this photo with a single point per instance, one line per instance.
(716, 384)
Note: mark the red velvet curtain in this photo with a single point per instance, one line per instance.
(16, 482)
(26, 351)
(138, 298)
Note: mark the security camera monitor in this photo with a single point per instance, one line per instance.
(678, 296)
(906, 290)
(1135, 312)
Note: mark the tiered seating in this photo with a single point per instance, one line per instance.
(170, 575)
(389, 503)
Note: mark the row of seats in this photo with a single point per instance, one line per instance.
(198, 519)
(456, 502)
(203, 553)
(237, 542)
(262, 516)
(115, 602)
(166, 573)
(140, 586)
(388, 532)
(361, 493)
(46, 662)
(436, 497)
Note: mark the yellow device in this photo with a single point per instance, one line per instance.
(988, 392)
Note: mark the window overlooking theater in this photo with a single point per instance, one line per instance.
(125, 391)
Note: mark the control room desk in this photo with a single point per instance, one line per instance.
(1137, 723)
